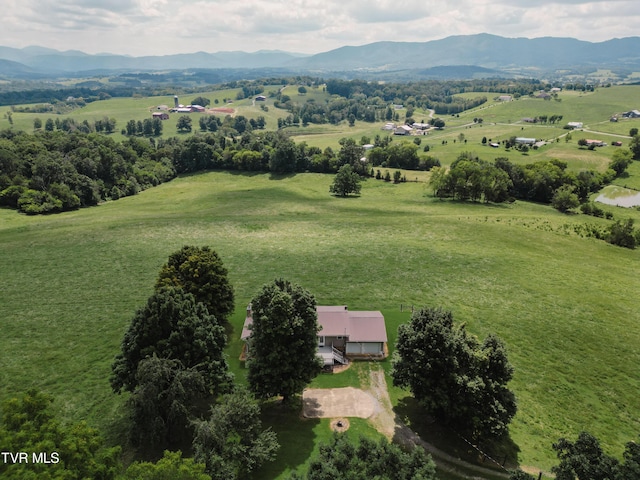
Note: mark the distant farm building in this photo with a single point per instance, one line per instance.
(494, 145)
(543, 95)
(525, 141)
(403, 130)
(631, 114)
(575, 124)
(505, 98)
(261, 98)
(188, 109)
(420, 126)
(389, 126)
(160, 115)
(595, 143)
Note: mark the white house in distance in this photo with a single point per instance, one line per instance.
(344, 334)
(525, 141)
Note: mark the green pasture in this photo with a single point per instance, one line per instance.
(501, 120)
(566, 306)
(630, 178)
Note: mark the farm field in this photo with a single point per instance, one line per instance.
(566, 306)
(501, 120)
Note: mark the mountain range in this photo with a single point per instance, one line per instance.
(481, 54)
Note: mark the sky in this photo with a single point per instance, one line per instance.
(162, 27)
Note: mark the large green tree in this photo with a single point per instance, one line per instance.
(351, 154)
(232, 442)
(200, 272)
(583, 458)
(346, 182)
(172, 466)
(166, 397)
(342, 459)
(634, 146)
(453, 376)
(172, 325)
(64, 452)
(202, 101)
(283, 343)
(184, 123)
(620, 160)
(565, 198)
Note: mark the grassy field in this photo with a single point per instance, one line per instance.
(566, 306)
(501, 120)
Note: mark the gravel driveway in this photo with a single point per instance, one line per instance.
(338, 402)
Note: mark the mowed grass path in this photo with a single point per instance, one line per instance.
(565, 306)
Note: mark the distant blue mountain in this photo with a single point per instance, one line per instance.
(497, 54)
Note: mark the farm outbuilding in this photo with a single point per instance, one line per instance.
(403, 130)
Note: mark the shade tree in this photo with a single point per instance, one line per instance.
(346, 182)
(172, 466)
(172, 325)
(343, 458)
(28, 424)
(231, 441)
(200, 272)
(165, 399)
(283, 343)
(454, 377)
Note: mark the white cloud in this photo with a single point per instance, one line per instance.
(170, 26)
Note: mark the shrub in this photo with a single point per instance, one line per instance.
(622, 234)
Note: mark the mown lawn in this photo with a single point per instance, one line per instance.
(566, 306)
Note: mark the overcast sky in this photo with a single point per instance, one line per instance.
(158, 27)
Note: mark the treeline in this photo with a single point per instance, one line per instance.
(50, 172)
(471, 178)
(548, 181)
(87, 95)
(434, 88)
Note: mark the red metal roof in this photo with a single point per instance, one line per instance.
(337, 321)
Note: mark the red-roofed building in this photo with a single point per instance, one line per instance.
(344, 334)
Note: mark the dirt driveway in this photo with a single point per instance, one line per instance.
(375, 405)
(338, 402)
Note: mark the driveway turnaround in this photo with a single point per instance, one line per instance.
(338, 402)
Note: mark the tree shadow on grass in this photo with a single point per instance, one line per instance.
(295, 434)
(281, 176)
(493, 454)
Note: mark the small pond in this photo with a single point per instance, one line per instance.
(619, 196)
